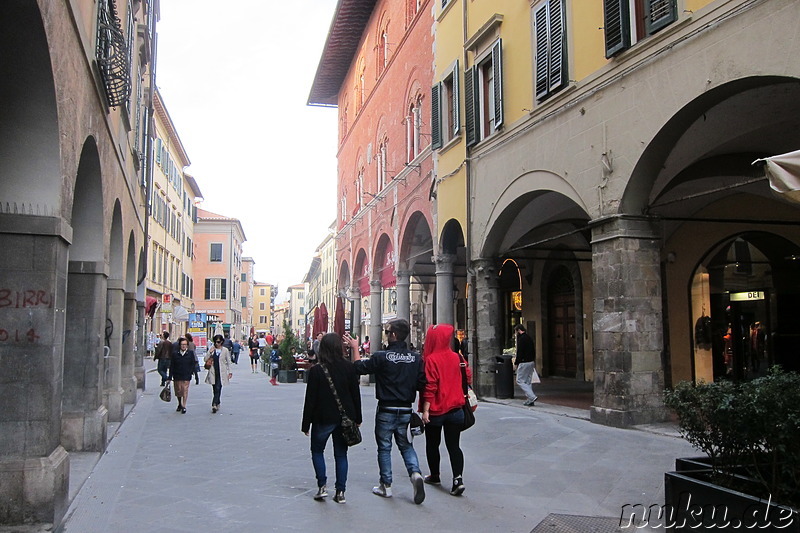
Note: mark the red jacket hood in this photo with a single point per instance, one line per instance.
(439, 338)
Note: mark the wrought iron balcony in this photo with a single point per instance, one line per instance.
(112, 55)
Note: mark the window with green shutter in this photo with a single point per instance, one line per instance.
(483, 95)
(660, 13)
(436, 117)
(616, 22)
(627, 22)
(551, 52)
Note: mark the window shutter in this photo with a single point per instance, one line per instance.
(208, 289)
(616, 21)
(469, 106)
(223, 290)
(557, 53)
(497, 67)
(158, 150)
(456, 96)
(540, 22)
(436, 117)
(660, 13)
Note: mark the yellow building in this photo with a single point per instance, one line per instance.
(593, 165)
(263, 304)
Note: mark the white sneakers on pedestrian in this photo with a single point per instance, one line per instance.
(382, 490)
(419, 487)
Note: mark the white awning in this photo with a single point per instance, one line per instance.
(783, 172)
(180, 314)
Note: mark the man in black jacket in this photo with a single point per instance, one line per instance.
(526, 363)
(399, 374)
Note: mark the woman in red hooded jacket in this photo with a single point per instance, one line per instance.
(442, 401)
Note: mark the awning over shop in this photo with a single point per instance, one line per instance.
(783, 172)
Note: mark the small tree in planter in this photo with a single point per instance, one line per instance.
(749, 431)
(286, 348)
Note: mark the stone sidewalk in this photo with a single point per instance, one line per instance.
(248, 468)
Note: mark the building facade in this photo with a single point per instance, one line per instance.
(247, 291)
(376, 68)
(296, 310)
(599, 179)
(218, 271)
(173, 213)
(263, 304)
(76, 144)
(321, 282)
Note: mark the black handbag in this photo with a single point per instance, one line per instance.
(166, 393)
(469, 415)
(350, 430)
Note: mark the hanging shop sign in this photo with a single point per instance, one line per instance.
(166, 303)
(747, 296)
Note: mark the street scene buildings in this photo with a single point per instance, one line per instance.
(595, 171)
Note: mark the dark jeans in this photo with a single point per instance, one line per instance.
(319, 437)
(217, 388)
(163, 368)
(451, 423)
(235, 356)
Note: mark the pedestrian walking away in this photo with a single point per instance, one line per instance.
(321, 411)
(162, 355)
(218, 362)
(399, 374)
(235, 352)
(442, 404)
(181, 369)
(525, 363)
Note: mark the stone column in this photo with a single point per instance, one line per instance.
(375, 315)
(113, 393)
(128, 342)
(403, 295)
(34, 467)
(84, 418)
(628, 326)
(444, 288)
(355, 318)
(141, 346)
(487, 345)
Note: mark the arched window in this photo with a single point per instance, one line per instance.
(360, 188)
(381, 158)
(414, 128)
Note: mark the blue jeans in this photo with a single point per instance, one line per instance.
(319, 437)
(163, 368)
(217, 389)
(388, 424)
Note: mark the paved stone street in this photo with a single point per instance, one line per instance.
(248, 469)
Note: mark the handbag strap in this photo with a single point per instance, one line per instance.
(464, 384)
(333, 390)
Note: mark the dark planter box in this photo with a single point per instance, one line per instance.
(287, 376)
(694, 503)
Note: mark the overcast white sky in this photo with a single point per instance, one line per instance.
(235, 77)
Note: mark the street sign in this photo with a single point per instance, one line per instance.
(166, 303)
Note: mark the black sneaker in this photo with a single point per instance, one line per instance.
(339, 497)
(433, 480)
(458, 487)
(321, 494)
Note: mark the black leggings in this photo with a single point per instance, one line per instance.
(452, 436)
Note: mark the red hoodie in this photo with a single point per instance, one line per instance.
(444, 390)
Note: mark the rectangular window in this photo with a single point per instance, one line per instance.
(216, 252)
(626, 22)
(483, 94)
(262, 320)
(216, 289)
(551, 51)
(262, 306)
(263, 292)
(244, 301)
(244, 277)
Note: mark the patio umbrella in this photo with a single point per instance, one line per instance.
(316, 329)
(323, 318)
(338, 318)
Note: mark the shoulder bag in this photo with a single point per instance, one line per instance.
(469, 415)
(350, 430)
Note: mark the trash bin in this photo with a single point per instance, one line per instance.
(504, 377)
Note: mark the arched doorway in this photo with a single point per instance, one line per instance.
(511, 300)
(562, 352)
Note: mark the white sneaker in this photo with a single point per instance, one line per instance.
(419, 487)
(383, 490)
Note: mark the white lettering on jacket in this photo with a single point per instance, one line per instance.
(395, 357)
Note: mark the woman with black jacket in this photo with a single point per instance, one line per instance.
(321, 412)
(182, 367)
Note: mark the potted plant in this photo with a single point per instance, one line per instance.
(750, 475)
(287, 348)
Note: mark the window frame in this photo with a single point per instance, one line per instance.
(211, 252)
(483, 94)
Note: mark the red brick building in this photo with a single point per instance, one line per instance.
(377, 68)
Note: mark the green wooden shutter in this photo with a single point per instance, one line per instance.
(224, 291)
(616, 22)
(497, 74)
(456, 102)
(436, 117)
(469, 106)
(542, 48)
(557, 61)
(158, 150)
(208, 289)
(660, 13)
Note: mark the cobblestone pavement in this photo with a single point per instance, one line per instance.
(248, 469)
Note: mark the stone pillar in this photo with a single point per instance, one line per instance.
(628, 334)
(141, 346)
(403, 295)
(84, 419)
(355, 318)
(128, 342)
(488, 344)
(34, 467)
(375, 315)
(444, 288)
(113, 393)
